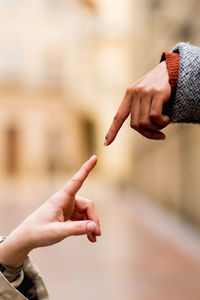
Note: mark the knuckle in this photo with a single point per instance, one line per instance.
(84, 167)
(154, 114)
(144, 92)
(79, 227)
(61, 194)
(150, 91)
(55, 230)
(90, 203)
(134, 126)
(55, 196)
(58, 195)
(76, 180)
(85, 170)
(156, 90)
(144, 123)
(129, 90)
(137, 90)
(117, 117)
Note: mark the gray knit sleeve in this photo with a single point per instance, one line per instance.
(185, 104)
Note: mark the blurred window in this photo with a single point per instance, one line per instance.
(185, 31)
(89, 136)
(155, 4)
(90, 4)
(10, 65)
(11, 150)
(53, 151)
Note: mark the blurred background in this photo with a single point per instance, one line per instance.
(64, 69)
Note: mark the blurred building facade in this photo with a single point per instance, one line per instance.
(60, 76)
(168, 171)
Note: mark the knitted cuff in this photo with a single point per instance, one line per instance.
(172, 62)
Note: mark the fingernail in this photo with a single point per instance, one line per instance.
(93, 156)
(105, 142)
(91, 226)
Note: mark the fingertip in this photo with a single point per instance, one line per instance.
(166, 120)
(157, 136)
(105, 142)
(91, 226)
(108, 141)
(162, 137)
(93, 158)
(91, 237)
(98, 230)
(91, 162)
(99, 233)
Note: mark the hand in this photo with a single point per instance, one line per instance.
(47, 225)
(144, 101)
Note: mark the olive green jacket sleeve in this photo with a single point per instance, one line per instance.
(31, 285)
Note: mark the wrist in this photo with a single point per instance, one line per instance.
(14, 251)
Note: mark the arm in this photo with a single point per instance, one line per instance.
(144, 101)
(152, 101)
(186, 103)
(48, 224)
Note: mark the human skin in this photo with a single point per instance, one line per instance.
(48, 224)
(144, 101)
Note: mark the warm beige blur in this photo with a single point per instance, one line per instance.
(168, 171)
(64, 69)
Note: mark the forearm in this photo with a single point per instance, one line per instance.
(14, 250)
(184, 106)
(28, 283)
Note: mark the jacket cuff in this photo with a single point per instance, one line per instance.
(7, 291)
(172, 62)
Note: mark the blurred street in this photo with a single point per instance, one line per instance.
(144, 252)
(65, 66)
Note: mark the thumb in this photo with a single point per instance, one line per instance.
(77, 228)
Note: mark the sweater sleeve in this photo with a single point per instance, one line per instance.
(184, 105)
(172, 62)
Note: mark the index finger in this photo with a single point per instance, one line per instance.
(75, 183)
(121, 115)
